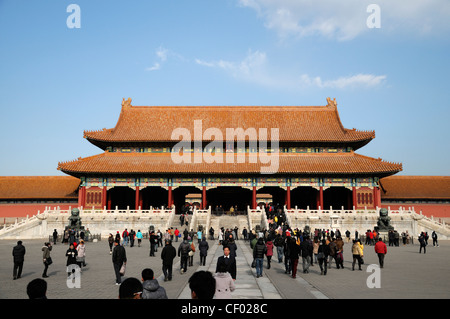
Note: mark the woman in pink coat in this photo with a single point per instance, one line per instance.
(269, 253)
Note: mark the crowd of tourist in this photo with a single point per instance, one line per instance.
(290, 247)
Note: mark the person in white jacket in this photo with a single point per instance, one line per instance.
(224, 283)
(81, 257)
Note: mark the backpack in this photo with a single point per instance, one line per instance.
(332, 248)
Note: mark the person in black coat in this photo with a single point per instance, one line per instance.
(232, 245)
(18, 253)
(167, 255)
(306, 252)
(294, 253)
(153, 241)
(322, 256)
(183, 253)
(203, 247)
(229, 262)
(55, 236)
(259, 251)
(119, 257)
(71, 255)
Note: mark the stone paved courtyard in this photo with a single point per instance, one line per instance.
(407, 274)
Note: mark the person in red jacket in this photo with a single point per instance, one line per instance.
(381, 250)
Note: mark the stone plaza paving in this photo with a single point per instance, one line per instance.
(406, 275)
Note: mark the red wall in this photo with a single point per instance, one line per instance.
(435, 210)
(22, 210)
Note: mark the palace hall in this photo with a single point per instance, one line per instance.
(299, 156)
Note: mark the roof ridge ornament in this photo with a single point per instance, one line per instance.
(127, 102)
(331, 103)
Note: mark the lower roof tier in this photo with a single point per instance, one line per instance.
(276, 163)
(38, 187)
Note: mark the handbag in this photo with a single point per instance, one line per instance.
(122, 269)
(80, 259)
(49, 261)
(320, 255)
(254, 263)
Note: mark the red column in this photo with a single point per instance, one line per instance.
(169, 200)
(254, 198)
(376, 197)
(321, 197)
(104, 197)
(317, 200)
(355, 203)
(109, 200)
(136, 200)
(288, 197)
(80, 197)
(379, 197)
(204, 197)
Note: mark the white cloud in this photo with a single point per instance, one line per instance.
(345, 20)
(359, 80)
(254, 68)
(155, 66)
(162, 55)
(204, 63)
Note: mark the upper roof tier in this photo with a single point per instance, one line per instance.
(304, 124)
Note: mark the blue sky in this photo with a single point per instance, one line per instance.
(56, 81)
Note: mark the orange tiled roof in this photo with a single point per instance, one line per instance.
(154, 163)
(295, 123)
(38, 187)
(415, 187)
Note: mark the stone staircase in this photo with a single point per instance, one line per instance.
(231, 222)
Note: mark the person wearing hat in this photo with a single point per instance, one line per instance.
(167, 255)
